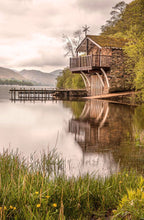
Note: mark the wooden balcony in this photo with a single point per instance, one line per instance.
(90, 62)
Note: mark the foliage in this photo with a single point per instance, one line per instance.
(69, 80)
(15, 82)
(39, 189)
(116, 15)
(135, 53)
(129, 16)
(132, 204)
(130, 26)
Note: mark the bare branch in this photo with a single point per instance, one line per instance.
(71, 43)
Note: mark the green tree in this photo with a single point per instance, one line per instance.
(116, 15)
(129, 24)
(68, 80)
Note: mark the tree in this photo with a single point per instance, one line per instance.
(135, 53)
(68, 80)
(130, 25)
(116, 15)
(71, 43)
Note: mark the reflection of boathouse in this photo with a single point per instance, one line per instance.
(87, 127)
(101, 126)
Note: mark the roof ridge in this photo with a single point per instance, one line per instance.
(93, 35)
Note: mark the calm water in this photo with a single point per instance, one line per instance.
(92, 136)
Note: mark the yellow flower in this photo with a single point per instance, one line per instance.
(36, 193)
(38, 205)
(54, 205)
(11, 207)
(14, 208)
(120, 182)
(126, 175)
(47, 197)
(4, 207)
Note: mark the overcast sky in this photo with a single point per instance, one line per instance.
(31, 30)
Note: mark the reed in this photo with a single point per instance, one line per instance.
(39, 189)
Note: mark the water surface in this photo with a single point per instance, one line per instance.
(91, 136)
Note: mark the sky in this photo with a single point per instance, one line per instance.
(31, 31)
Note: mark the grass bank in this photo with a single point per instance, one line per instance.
(39, 189)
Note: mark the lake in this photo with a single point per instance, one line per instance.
(92, 136)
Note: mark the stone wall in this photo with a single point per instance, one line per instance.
(119, 79)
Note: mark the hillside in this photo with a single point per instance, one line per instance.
(40, 78)
(9, 74)
(26, 77)
(124, 18)
(127, 21)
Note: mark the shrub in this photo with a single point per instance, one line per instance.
(132, 204)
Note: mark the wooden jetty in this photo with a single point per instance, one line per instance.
(34, 94)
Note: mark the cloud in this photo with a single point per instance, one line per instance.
(14, 7)
(95, 5)
(31, 30)
(100, 6)
(41, 51)
(4, 61)
(44, 59)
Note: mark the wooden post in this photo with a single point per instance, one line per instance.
(11, 94)
(14, 94)
(100, 58)
(86, 46)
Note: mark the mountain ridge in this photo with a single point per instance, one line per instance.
(36, 77)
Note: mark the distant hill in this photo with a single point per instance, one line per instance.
(41, 78)
(33, 76)
(9, 74)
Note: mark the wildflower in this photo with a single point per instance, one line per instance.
(3, 208)
(11, 207)
(36, 193)
(126, 175)
(14, 208)
(120, 182)
(54, 205)
(47, 197)
(131, 203)
(38, 205)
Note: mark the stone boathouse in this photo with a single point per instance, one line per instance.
(100, 61)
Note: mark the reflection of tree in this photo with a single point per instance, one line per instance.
(75, 106)
(103, 127)
(139, 117)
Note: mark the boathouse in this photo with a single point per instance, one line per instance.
(101, 63)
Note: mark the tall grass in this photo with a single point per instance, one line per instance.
(39, 189)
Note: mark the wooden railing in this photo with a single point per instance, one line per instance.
(90, 62)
